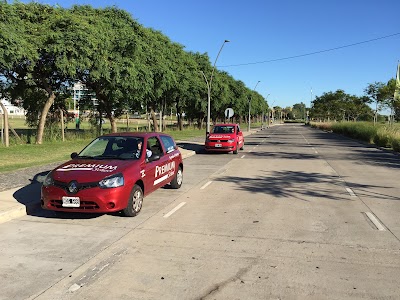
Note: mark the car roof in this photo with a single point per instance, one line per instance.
(226, 124)
(137, 134)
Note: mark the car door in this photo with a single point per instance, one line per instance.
(239, 136)
(156, 165)
(174, 156)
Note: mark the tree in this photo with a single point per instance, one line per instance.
(389, 100)
(46, 67)
(374, 92)
(113, 68)
(5, 115)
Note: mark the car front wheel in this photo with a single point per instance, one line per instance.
(176, 183)
(236, 149)
(135, 202)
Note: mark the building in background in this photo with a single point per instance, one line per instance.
(79, 92)
(12, 110)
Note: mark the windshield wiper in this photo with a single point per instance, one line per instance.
(84, 156)
(106, 156)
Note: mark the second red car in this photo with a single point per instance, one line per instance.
(225, 138)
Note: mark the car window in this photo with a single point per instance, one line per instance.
(223, 129)
(154, 145)
(118, 147)
(95, 148)
(169, 143)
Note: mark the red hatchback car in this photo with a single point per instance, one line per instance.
(114, 173)
(225, 138)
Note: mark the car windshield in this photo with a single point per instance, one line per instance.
(223, 129)
(114, 147)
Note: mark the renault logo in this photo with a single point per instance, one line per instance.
(73, 187)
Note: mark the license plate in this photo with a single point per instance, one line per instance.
(218, 145)
(71, 202)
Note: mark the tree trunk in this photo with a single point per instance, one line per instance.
(43, 115)
(6, 136)
(62, 124)
(153, 117)
(179, 114)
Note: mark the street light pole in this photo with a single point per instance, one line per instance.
(262, 120)
(209, 87)
(248, 129)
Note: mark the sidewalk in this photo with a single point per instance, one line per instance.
(23, 193)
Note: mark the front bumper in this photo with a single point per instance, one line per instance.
(95, 200)
(219, 147)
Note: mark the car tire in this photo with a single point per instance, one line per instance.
(236, 149)
(241, 148)
(176, 183)
(135, 202)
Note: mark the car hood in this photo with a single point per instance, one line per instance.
(221, 136)
(88, 170)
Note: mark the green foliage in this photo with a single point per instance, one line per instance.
(359, 130)
(340, 106)
(45, 49)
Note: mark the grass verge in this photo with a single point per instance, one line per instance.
(29, 155)
(381, 135)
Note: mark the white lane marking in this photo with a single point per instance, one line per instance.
(174, 209)
(74, 288)
(350, 191)
(243, 156)
(206, 185)
(375, 221)
(250, 151)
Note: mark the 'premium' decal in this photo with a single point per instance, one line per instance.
(88, 167)
(165, 171)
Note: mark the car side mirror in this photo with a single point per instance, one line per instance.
(153, 158)
(73, 155)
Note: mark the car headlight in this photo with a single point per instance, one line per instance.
(48, 180)
(231, 141)
(112, 181)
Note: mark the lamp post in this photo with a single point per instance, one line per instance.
(262, 120)
(248, 129)
(269, 115)
(209, 86)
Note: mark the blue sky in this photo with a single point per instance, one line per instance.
(262, 30)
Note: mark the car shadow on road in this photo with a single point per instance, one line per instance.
(196, 147)
(29, 196)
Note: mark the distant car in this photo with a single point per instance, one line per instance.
(225, 138)
(114, 173)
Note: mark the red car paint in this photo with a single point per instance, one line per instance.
(80, 177)
(225, 138)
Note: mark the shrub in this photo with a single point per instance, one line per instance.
(382, 137)
(395, 140)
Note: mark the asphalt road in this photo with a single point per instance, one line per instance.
(299, 214)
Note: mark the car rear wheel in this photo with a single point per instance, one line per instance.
(135, 202)
(241, 148)
(176, 183)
